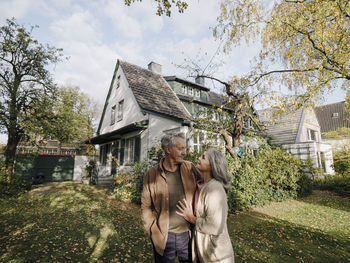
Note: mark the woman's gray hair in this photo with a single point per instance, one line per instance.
(218, 164)
(168, 140)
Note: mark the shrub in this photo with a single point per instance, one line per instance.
(342, 161)
(274, 175)
(14, 188)
(128, 184)
(337, 184)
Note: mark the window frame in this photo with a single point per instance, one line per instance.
(120, 110)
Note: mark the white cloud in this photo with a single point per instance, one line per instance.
(81, 26)
(132, 22)
(15, 8)
(197, 18)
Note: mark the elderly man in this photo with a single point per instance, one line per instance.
(164, 185)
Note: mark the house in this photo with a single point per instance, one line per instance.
(142, 106)
(48, 147)
(299, 133)
(333, 117)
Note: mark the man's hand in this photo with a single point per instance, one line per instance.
(186, 211)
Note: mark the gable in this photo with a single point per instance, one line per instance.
(285, 128)
(120, 100)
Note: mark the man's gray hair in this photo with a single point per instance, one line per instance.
(218, 164)
(168, 140)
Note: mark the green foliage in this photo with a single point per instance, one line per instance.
(91, 171)
(337, 184)
(274, 175)
(164, 6)
(342, 132)
(342, 161)
(304, 44)
(128, 184)
(17, 187)
(72, 116)
(26, 86)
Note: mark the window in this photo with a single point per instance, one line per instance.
(113, 115)
(204, 138)
(120, 110)
(335, 115)
(184, 89)
(127, 151)
(117, 85)
(104, 152)
(311, 135)
(190, 91)
(198, 93)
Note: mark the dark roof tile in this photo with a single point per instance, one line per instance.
(152, 92)
(330, 122)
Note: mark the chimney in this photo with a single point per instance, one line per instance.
(155, 67)
(200, 81)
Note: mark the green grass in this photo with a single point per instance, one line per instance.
(72, 222)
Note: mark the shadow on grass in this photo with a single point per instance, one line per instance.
(257, 237)
(69, 223)
(72, 222)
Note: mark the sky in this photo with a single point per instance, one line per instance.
(95, 33)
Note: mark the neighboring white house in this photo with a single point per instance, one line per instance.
(299, 133)
(332, 117)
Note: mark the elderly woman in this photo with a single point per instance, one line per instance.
(212, 241)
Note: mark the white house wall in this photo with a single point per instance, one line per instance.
(310, 122)
(338, 144)
(131, 110)
(157, 127)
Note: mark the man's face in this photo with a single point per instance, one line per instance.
(177, 152)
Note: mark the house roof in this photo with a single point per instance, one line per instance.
(285, 128)
(152, 92)
(332, 116)
(185, 81)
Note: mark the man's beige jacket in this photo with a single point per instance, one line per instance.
(155, 201)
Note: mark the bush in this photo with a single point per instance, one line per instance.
(337, 184)
(15, 188)
(274, 175)
(342, 161)
(128, 184)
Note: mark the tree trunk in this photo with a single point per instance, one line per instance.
(10, 156)
(238, 126)
(226, 137)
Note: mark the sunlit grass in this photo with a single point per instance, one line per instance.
(311, 229)
(72, 222)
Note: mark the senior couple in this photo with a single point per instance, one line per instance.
(184, 207)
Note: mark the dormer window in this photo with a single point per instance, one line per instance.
(335, 115)
(184, 89)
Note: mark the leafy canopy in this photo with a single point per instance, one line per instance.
(164, 6)
(305, 44)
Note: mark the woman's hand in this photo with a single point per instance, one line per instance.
(185, 210)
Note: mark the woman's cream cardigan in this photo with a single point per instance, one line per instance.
(212, 241)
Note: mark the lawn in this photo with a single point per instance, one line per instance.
(72, 222)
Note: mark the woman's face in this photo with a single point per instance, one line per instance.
(203, 163)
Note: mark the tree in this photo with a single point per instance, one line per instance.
(26, 86)
(72, 118)
(164, 6)
(305, 44)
